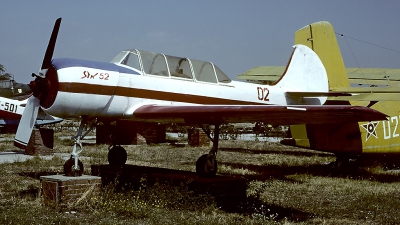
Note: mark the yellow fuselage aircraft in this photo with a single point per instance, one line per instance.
(350, 139)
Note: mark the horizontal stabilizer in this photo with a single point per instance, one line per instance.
(354, 94)
(317, 94)
(368, 89)
(377, 97)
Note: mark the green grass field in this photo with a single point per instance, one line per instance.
(286, 185)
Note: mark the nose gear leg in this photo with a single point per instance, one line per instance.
(73, 166)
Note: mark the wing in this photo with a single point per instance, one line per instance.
(271, 114)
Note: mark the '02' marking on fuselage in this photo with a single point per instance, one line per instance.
(263, 93)
(101, 76)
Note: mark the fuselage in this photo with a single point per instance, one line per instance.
(116, 89)
(107, 93)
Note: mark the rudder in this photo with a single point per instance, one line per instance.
(321, 38)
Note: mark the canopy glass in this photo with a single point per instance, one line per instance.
(158, 64)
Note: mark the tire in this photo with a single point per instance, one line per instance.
(69, 168)
(117, 156)
(204, 170)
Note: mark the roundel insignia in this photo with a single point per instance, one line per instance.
(370, 127)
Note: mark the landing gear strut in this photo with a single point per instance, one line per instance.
(73, 167)
(206, 165)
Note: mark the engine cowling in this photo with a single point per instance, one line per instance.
(78, 87)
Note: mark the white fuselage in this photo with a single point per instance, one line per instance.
(118, 94)
(98, 89)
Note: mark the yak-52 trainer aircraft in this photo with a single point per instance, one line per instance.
(145, 86)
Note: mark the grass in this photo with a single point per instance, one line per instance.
(285, 186)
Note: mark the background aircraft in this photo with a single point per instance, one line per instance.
(11, 111)
(350, 139)
(153, 87)
(12, 89)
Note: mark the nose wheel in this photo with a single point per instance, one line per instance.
(117, 156)
(70, 170)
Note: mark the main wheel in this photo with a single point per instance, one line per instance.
(117, 156)
(203, 167)
(342, 161)
(69, 170)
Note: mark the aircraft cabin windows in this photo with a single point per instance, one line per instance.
(159, 66)
(171, 66)
(154, 64)
(204, 71)
(222, 77)
(131, 60)
(119, 57)
(147, 59)
(179, 67)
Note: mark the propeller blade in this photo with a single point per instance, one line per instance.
(27, 122)
(50, 48)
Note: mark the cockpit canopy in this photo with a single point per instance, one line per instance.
(158, 64)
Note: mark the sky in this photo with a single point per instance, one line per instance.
(234, 35)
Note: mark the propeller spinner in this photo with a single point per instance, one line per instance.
(40, 87)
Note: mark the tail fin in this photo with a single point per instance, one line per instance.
(321, 38)
(304, 73)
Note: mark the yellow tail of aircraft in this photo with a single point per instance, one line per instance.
(346, 140)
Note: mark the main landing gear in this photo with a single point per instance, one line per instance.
(117, 155)
(206, 165)
(342, 160)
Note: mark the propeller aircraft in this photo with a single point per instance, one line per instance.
(153, 87)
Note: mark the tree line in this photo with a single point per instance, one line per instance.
(3, 74)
